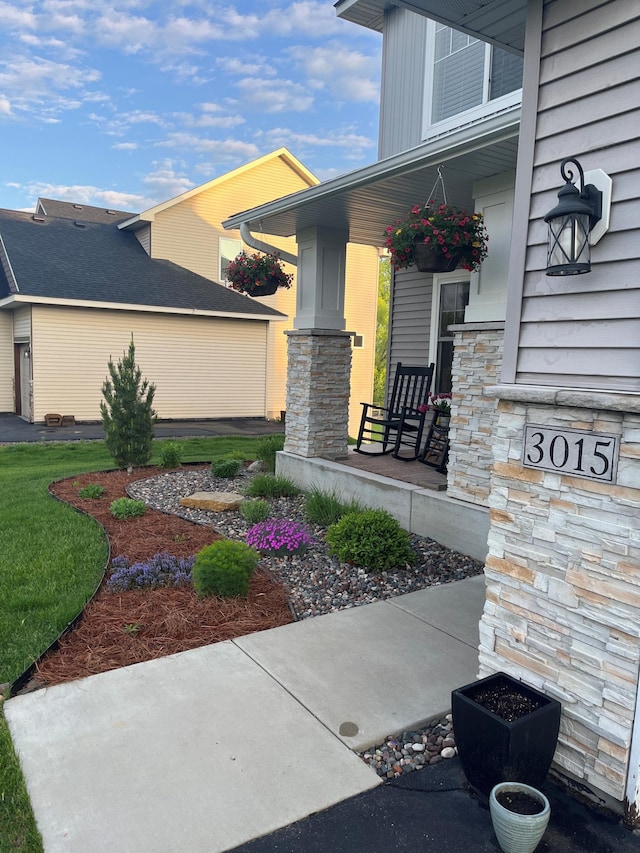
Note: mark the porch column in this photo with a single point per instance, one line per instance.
(319, 350)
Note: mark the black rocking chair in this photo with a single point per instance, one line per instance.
(400, 424)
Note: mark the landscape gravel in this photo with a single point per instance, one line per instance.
(318, 583)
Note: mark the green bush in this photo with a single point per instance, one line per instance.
(326, 508)
(127, 508)
(270, 486)
(266, 450)
(255, 511)
(227, 468)
(93, 490)
(371, 538)
(224, 569)
(170, 455)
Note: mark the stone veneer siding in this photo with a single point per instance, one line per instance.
(563, 587)
(477, 361)
(318, 372)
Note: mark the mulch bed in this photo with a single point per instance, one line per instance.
(123, 628)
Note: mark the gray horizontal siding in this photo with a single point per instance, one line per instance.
(410, 319)
(582, 331)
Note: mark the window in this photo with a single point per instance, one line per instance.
(468, 76)
(229, 249)
(450, 298)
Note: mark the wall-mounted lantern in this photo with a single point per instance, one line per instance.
(574, 223)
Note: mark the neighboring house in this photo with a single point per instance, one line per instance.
(72, 293)
(541, 365)
(181, 355)
(188, 231)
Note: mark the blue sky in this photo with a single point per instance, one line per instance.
(126, 103)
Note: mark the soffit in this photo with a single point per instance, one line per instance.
(366, 201)
(500, 22)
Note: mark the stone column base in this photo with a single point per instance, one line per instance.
(318, 375)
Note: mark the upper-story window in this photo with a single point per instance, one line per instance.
(229, 249)
(467, 79)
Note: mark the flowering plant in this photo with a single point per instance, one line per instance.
(158, 571)
(279, 537)
(437, 403)
(451, 231)
(257, 274)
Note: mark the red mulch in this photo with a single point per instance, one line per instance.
(118, 629)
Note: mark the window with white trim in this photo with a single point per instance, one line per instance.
(450, 298)
(467, 79)
(229, 248)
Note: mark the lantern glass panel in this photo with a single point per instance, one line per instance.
(569, 252)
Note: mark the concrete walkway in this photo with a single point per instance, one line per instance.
(208, 749)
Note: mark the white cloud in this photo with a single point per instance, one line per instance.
(86, 194)
(14, 18)
(275, 96)
(353, 146)
(125, 146)
(5, 106)
(226, 149)
(165, 183)
(348, 74)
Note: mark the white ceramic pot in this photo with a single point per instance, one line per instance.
(518, 833)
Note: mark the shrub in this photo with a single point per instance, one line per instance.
(93, 490)
(227, 468)
(127, 412)
(279, 537)
(127, 508)
(371, 538)
(170, 455)
(255, 511)
(269, 486)
(326, 508)
(158, 571)
(224, 569)
(266, 449)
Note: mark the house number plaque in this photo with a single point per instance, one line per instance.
(576, 452)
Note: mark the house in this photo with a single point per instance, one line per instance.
(545, 369)
(72, 293)
(188, 230)
(193, 378)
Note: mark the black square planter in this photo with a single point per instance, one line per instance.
(493, 750)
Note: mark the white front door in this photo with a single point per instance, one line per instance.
(25, 382)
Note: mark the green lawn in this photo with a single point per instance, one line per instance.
(51, 560)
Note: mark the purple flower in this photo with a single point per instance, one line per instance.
(279, 537)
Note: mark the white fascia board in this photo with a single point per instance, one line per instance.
(466, 139)
(148, 309)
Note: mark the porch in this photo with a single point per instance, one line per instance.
(412, 492)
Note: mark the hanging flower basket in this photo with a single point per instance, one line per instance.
(257, 275)
(453, 237)
(429, 259)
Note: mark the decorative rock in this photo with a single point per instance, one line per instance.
(418, 747)
(257, 466)
(212, 501)
(448, 752)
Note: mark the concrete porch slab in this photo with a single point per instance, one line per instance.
(200, 752)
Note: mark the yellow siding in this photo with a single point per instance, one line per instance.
(22, 324)
(6, 362)
(361, 304)
(202, 367)
(188, 233)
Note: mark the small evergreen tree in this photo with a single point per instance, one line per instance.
(127, 413)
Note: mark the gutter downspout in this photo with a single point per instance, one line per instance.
(252, 241)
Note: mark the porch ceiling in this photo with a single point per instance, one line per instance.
(366, 201)
(500, 22)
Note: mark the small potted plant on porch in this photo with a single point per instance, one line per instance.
(437, 239)
(505, 731)
(257, 275)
